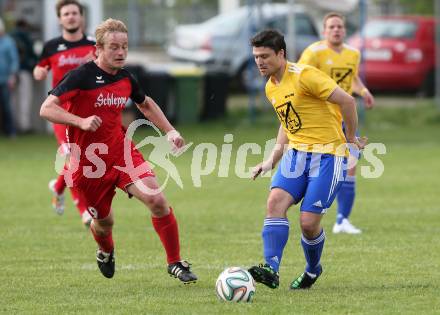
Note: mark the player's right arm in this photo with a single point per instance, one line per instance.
(43, 66)
(53, 112)
(66, 91)
(347, 104)
(40, 73)
(275, 156)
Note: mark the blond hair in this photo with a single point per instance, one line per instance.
(331, 15)
(109, 26)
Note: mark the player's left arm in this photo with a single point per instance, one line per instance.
(360, 89)
(153, 113)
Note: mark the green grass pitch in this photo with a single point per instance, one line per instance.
(47, 262)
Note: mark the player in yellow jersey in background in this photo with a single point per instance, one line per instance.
(341, 62)
(311, 148)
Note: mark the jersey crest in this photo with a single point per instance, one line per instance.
(289, 117)
(343, 77)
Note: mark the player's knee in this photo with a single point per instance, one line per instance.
(310, 229)
(157, 204)
(103, 227)
(275, 207)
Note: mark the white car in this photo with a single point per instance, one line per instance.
(222, 42)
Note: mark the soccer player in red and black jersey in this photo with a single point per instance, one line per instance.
(61, 55)
(96, 93)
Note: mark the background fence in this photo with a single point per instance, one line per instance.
(151, 24)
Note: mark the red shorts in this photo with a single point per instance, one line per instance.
(99, 192)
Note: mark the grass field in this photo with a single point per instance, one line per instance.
(47, 262)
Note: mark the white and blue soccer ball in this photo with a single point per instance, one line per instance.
(235, 284)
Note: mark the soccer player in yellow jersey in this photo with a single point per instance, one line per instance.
(311, 148)
(341, 63)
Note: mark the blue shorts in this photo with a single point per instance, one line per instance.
(312, 177)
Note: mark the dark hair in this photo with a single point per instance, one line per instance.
(270, 38)
(62, 3)
(331, 15)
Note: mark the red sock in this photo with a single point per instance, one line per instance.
(79, 200)
(60, 183)
(168, 231)
(105, 243)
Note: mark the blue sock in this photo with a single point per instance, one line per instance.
(312, 252)
(275, 235)
(346, 196)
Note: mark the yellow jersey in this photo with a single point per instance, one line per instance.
(300, 101)
(340, 66)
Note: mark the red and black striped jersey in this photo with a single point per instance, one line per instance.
(62, 56)
(88, 90)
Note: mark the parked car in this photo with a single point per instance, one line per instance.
(223, 41)
(399, 53)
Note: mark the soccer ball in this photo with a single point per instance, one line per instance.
(235, 284)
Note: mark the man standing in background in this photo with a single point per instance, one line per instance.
(63, 54)
(8, 72)
(341, 62)
(24, 90)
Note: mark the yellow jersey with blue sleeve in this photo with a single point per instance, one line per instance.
(340, 66)
(300, 101)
